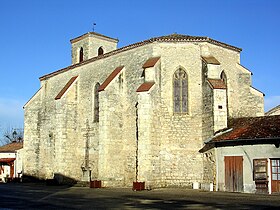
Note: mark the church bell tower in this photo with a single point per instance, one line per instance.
(91, 45)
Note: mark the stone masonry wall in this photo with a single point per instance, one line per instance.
(61, 136)
(241, 102)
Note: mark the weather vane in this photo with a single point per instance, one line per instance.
(94, 24)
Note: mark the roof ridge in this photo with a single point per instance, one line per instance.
(272, 109)
(91, 33)
(166, 38)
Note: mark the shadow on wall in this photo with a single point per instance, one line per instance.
(58, 179)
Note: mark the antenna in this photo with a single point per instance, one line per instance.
(94, 24)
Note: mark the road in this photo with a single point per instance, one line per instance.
(40, 196)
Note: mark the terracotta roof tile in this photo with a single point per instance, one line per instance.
(65, 88)
(12, 147)
(217, 83)
(110, 78)
(248, 131)
(169, 38)
(145, 87)
(151, 62)
(211, 60)
(252, 128)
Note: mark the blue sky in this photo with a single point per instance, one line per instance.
(35, 34)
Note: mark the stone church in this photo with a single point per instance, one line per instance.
(138, 113)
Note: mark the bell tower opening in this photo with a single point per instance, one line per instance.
(100, 51)
(81, 55)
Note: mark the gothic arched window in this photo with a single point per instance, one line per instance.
(100, 51)
(96, 103)
(81, 56)
(180, 91)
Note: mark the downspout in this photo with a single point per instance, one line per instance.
(137, 138)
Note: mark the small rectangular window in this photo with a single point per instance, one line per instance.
(260, 169)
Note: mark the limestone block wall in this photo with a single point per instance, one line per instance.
(62, 137)
(181, 134)
(31, 143)
(145, 141)
(240, 98)
(209, 170)
(118, 120)
(90, 44)
(220, 109)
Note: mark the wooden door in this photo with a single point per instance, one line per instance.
(275, 175)
(234, 173)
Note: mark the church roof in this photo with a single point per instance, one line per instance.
(273, 110)
(168, 38)
(248, 130)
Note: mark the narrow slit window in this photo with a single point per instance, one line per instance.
(100, 51)
(81, 56)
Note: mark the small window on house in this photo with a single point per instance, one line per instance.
(275, 170)
(100, 51)
(260, 169)
(180, 91)
(96, 103)
(81, 56)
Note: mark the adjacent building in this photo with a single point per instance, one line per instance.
(247, 155)
(11, 156)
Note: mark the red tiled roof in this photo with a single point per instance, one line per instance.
(151, 62)
(65, 88)
(217, 83)
(211, 60)
(110, 78)
(145, 87)
(252, 128)
(248, 130)
(6, 160)
(169, 38)
(12, 147)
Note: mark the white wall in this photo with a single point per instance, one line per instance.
(17, 163)
(249, 152)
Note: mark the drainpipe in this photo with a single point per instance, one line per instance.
(137, 137)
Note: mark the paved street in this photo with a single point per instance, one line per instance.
(40, 196)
